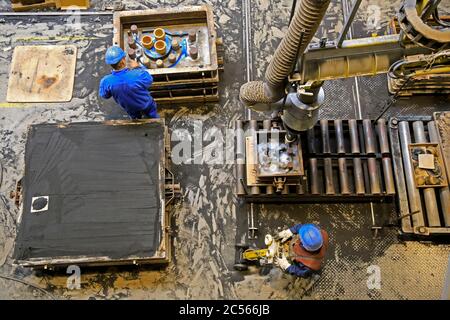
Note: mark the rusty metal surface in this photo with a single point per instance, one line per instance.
(443, 126)
(209, 219)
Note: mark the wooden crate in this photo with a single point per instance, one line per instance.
(180, 84)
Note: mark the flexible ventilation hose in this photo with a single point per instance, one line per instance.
(303, 26)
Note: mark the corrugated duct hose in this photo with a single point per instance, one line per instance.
(306, 20)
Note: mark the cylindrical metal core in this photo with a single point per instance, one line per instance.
(311, 140)
(159, 63)
(329, 183)
(388, 175)
(192, 36)
(359, 176)
(131, 43)
(373, 176)
(354, 140)
(175, 44)
(428, 193)
(325, 136)
(383, 136)
(134, 29)
(314, 176)
(132, 53)
(172, 58)
(253, 124)
(343, 176)
(193, 52)
(415, 205)
(159, 34)
(240, 158)
(444, 193)
(147, 42)
(419, 132)
(369, 137)
(160, 47)
(339, 130)
(146, 61)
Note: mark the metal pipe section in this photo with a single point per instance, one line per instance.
(357, 57)
(386, 160)
(359, 176)
(240, 158)
(415, 206)
(388, 175)
(325, 136)
(311, 141)
(444, 193)
(369, 137)
(431, 207)
(314, 176)
(328, 165)
(357, 164)
(343, 176)
(301, 30)
(383, 136)
(329, 183)
(348, 21)
(375, 187)
(339, 130)
(354, 141)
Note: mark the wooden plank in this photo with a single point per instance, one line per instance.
(187, 99)
(42, 74)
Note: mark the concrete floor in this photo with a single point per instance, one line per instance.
(209, 219)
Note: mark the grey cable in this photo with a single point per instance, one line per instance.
(28, 284)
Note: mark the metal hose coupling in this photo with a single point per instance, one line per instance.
(304, 24)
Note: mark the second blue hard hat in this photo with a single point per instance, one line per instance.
(114, 54)
(311, 237)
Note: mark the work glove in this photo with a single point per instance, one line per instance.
(285, 235)
(282, 263)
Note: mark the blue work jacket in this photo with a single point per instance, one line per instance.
(296, 268)
(130, 89)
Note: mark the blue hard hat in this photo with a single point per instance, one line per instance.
(311, 237)
(114, 54)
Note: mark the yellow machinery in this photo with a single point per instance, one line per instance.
(263, 257)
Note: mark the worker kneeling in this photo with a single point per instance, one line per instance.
(129, 86)
(307, 248)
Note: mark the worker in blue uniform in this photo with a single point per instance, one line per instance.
(128, 85)
(307, 248)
